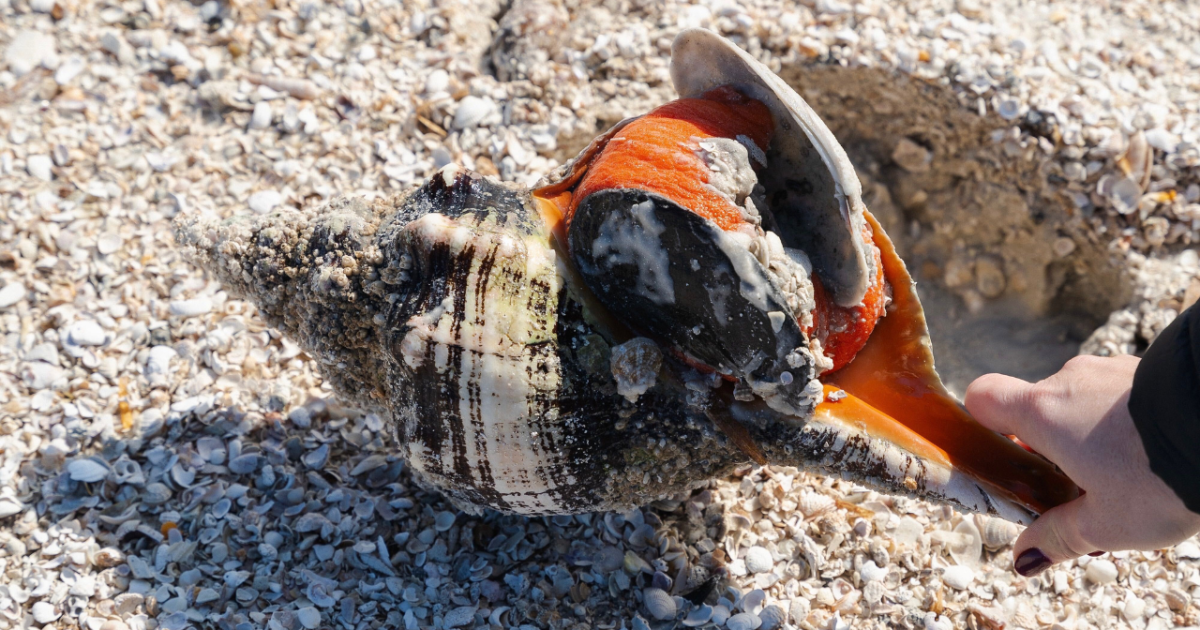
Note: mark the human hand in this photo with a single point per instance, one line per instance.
(1079, 419)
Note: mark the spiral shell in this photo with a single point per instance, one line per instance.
(462, 312)
(996, 533)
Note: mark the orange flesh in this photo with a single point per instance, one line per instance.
(894, 374)
(657, 152)
(852, 411)
(844, 331)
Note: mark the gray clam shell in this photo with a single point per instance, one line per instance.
(815, 194)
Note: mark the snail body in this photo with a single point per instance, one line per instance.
(703, 286)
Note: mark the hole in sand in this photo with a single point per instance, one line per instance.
(1005, 270)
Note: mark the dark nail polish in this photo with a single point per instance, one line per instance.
(1096, 554)
(1031, 562)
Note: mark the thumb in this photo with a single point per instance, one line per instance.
(1054, 537)
(1009, 405)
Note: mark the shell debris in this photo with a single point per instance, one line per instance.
(222, 486)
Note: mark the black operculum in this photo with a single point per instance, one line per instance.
(676, 277)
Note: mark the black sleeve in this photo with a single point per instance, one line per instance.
(1165, 405)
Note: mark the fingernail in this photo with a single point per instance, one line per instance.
(1031, 562)
(1096, 554)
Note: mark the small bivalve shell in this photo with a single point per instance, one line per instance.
(1187, 550)
(968, 548)
(309, 617)
(1134, 608)
(698, 616)
(996, 533)
(107, 558)
(87, 470)
(44, 612)
(156, 494)
(127, 603)
(660, 604)
(759, 560)
(720, 614)
(958, 578)
(744, 621)
(1101, 572)
(871, 572)
(752, 601)
(814, 504)
(772, 617)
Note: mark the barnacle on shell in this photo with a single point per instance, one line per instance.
(701, 286)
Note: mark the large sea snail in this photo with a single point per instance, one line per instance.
(701, 287)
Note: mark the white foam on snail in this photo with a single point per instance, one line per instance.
(729, 172)
(622, 243)
(754, 286)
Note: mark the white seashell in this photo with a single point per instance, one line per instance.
(743, 621)
(192, 307)
(908, 531)
(698, 616)
(40, 166)
(156, 493)
(85, 333)
(128, 471)
(472, 111)
(958, 578)
(183, 475)
(871, 572)
(1101, 572)
(108, 243)
(720, 614)
(934, 621)
(459, 617)
(1125, 195)
(813, 504)
(437, 81)
(444, 521)
(874, 591)
(1162, 140)
(1134, 607)
(244, 464)
(759, 560)
(996, 533)
(1187, 550)
(44, 612)
(126, 603)
(11, 294)
(87, 470)
(752, 601)
(368, 464)
(107, 558)
(264, 201)
(261, 118)
(660, 604)
(968, 547)
(772, 617)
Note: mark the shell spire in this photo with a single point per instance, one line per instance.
(313, 273)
